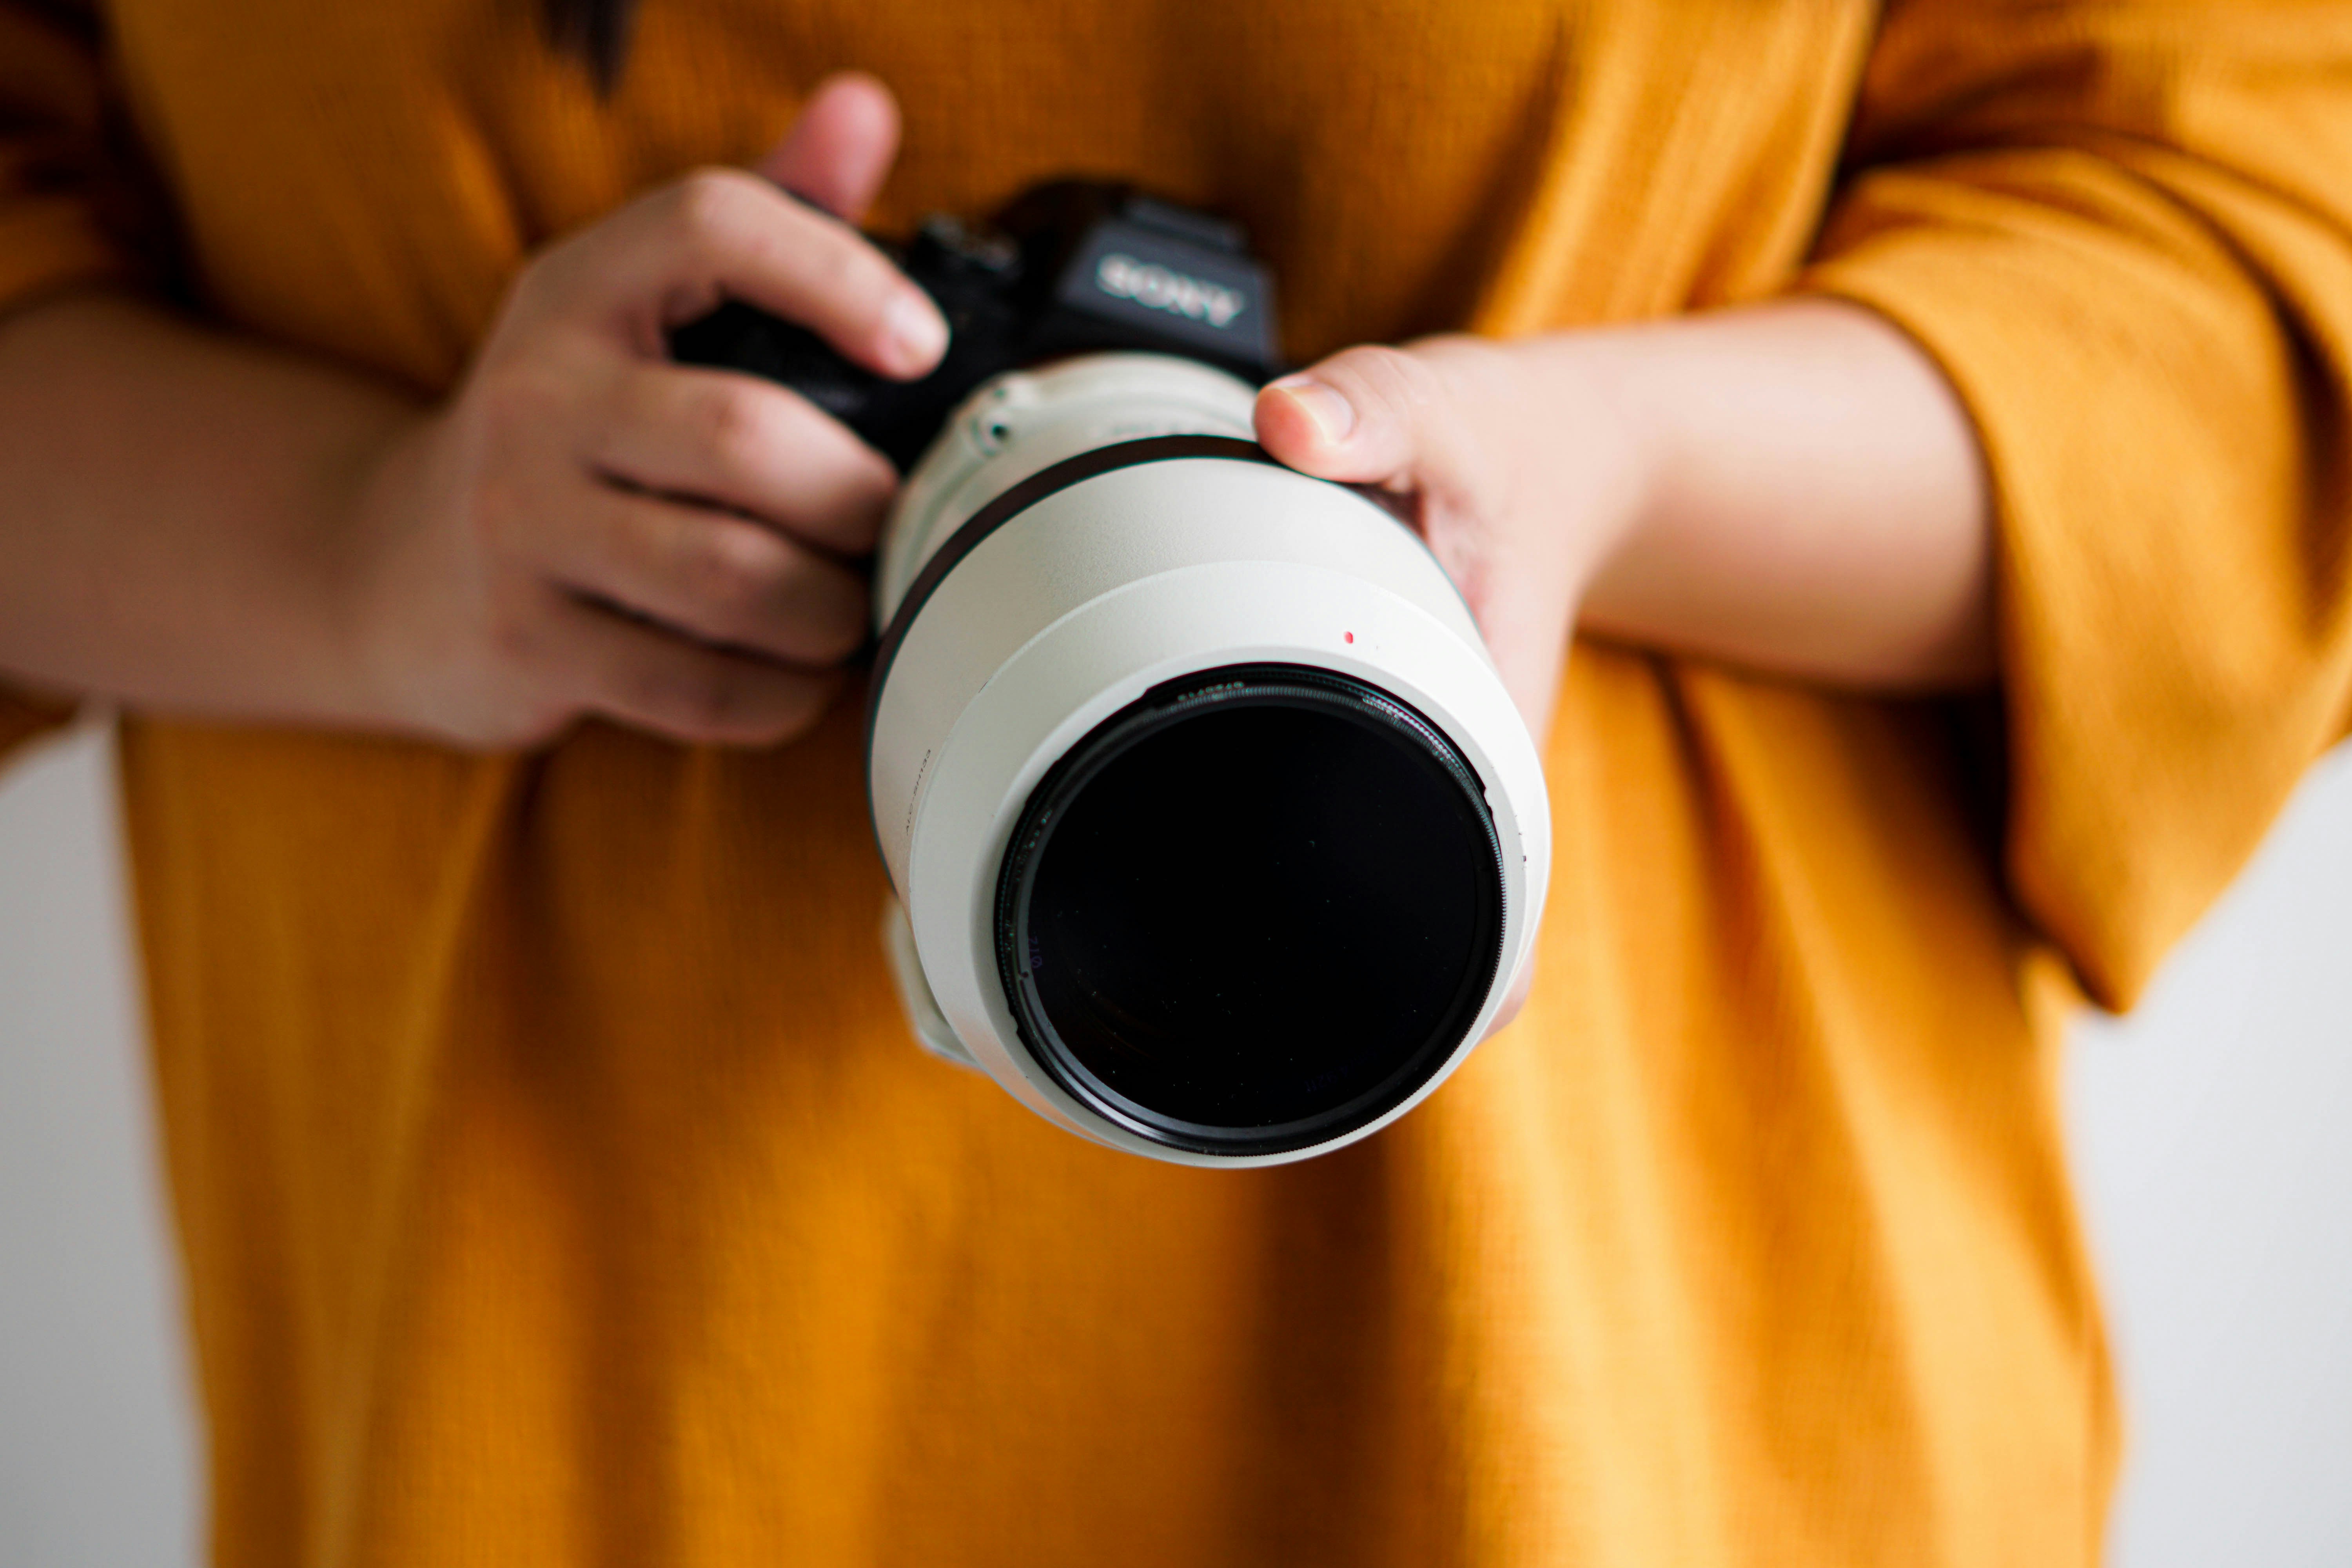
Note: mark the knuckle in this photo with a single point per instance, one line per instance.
(842, 267)
(732, 216)
(737, 571)
(708, 203)
(733, 425)
(1463, 368)
(1401, 380)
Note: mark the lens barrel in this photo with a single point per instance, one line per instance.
(1216, 836)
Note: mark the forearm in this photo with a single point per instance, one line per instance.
(1806, 498)
(1792, 486)
(171, 535)
(1814, 503)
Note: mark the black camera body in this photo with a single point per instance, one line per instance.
(1073, 266)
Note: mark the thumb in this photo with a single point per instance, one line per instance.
(1418, 420)
(839, 151)
(1362, 416)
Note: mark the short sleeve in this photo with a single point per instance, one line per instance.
(66, 213)
(2124, 231)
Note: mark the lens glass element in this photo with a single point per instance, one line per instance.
(1252, 911)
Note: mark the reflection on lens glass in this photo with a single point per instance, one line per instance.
(1255, 909)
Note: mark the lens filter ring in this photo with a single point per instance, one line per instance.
(1253, 911)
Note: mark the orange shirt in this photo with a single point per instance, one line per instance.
(556, 1177)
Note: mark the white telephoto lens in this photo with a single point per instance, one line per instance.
(1216, 836)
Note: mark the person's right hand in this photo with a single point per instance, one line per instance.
(587, 528)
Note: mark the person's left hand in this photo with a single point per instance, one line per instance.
(1517, 468)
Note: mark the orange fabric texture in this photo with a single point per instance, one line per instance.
(559, 1184)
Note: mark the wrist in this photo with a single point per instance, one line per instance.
(370, 489)
(1634, 442)
(1588, 441)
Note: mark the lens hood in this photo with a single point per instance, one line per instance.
(1216, 835)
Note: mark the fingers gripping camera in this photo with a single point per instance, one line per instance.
(1216, 835)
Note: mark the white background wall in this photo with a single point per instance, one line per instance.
(2213, 1134)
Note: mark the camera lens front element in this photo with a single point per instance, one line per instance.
(1252, 911)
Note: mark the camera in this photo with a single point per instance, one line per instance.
(1214, 834)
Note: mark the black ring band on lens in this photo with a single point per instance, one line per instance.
(1020, 498)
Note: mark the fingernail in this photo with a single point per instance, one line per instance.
(1333, 415)
(913, 332)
